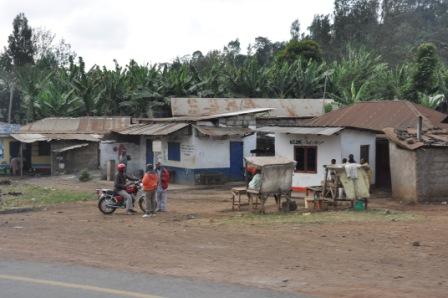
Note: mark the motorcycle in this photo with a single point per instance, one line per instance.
(109, 200)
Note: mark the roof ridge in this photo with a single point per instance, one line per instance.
(426, 121)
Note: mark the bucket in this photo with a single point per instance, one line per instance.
(360, 205)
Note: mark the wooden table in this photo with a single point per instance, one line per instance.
(316, 198)
(236, 197)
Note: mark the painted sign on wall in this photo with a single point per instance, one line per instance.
(187, 151)
(306, 141)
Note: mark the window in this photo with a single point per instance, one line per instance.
(306, 158)
(174, 151)
(44, 148)
(364, 152)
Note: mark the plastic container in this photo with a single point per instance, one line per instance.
(360, 205)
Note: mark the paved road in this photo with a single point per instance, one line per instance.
(20, 279)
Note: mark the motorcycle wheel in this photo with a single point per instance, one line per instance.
(102, 205)
(141, 204)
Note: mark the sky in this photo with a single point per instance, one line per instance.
(158, 31)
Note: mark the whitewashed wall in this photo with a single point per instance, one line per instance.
(187, 151)
(328, 147)
(250, 143)
(212, 153)
(199, 153)
(107, 153)
(351, 141)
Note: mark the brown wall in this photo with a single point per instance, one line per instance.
(403, 174)
(76, 159)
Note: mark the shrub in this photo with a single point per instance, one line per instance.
(84, 176)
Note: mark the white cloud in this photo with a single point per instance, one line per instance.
(158, 31)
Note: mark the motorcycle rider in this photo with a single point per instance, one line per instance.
(120, 186)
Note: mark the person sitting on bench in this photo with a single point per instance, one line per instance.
(255, 183)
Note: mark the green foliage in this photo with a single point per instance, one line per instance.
(20, 45)
(379, 63)
(423, 79)
(295, 49)
(328, 108)
(37, 196)
(84, 176)
(355, 77)
(306, 218)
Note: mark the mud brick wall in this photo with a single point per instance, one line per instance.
(432, 174)
(77, 159)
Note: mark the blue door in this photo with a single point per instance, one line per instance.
(149, 153)
(236, 161)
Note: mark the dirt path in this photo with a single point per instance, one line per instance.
(194, 239)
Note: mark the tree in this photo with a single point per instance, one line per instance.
(320, 32)
(355, 22)
(264, 50)
(294, 49)
(424, 76)
(49, 52)
(20, 42)
(295, 30)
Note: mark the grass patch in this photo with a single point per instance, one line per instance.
(36, 196)
(373, 215)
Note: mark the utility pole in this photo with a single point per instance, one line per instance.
(11, 96)
(325, 86)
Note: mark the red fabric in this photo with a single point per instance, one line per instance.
(150, 181)
(165, 178)
(251, 169)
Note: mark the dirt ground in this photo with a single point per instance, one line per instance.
(201, 238)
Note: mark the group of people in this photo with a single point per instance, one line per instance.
(351, 161)
(155, 185)
(351, 168)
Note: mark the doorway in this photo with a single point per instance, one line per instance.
(236, 161)
(149, 152)
(14, 149)
(382, 176)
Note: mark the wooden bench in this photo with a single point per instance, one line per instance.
(237, 192)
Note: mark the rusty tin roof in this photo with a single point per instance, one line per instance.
(283, 108)
(153, 129)
(378, 115)
(81, 125)
(38, 137)
(208, 117)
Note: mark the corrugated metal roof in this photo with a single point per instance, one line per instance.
(224, 131)
(268, 160)
(37, 137)
(377, 115)
(153, 129)
(209, 117)
(60, 150)
(99, 125)
(324, 131)
(290, 108)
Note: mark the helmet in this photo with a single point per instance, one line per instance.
(121, 167)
